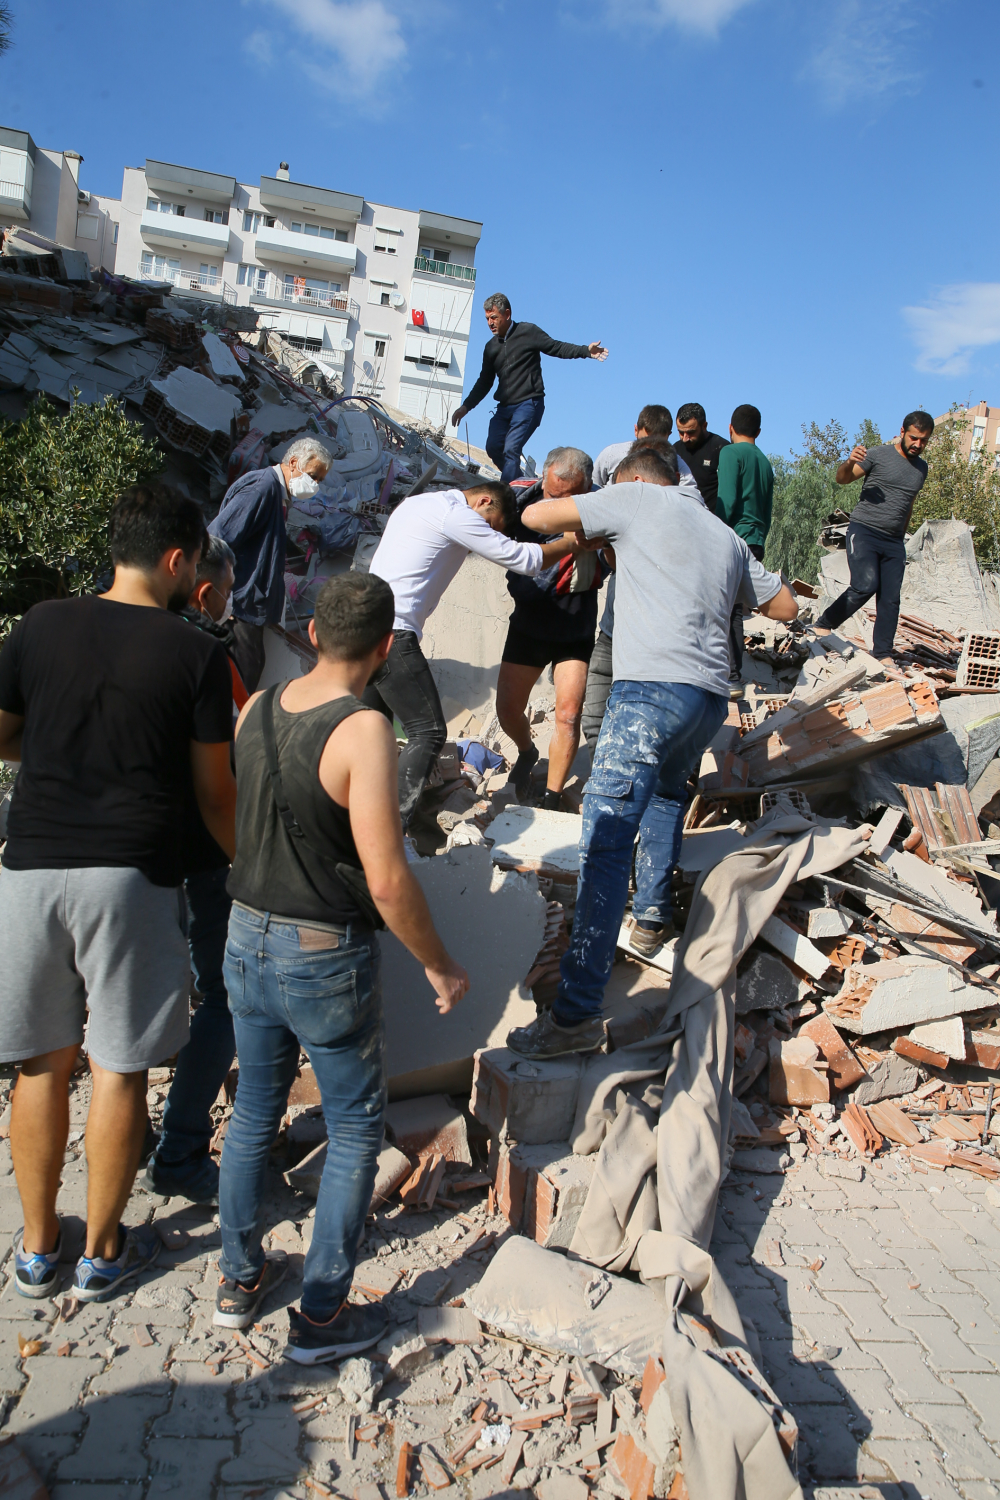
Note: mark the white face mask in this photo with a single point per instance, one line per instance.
(302, 486)
(227, 613)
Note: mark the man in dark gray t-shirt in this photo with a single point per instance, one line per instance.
(894, 475)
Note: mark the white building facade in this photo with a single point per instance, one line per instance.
(40, 190)
(381, 296)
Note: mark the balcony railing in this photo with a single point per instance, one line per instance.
(444, 268)
(184, 281)
(275, 290)
(15, 192)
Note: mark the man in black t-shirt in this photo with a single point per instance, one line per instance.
(114, 709)
(700, 450)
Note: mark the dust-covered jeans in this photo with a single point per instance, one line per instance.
(651, 740)
(286, 992)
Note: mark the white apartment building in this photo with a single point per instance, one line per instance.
(382, 296)
(40, 190)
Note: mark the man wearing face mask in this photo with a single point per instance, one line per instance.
(181, 1165)
(252, 521)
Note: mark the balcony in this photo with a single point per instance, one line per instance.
(171, 181)
(186, 284)
(279, 196)
(444, 268)
(288, 249)
(15, 201)
(441, 229)
(178, 232)
(276, 294)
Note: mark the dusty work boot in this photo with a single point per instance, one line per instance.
(520, 776)
(647, 938)
(546, 1038)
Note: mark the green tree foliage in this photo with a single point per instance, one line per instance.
(966, 488)
(805, 493)
(6, 26)
(59, 478)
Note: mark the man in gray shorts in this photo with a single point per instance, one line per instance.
(115, 710)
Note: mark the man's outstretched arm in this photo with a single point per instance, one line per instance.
(552, 515)
(558, 350)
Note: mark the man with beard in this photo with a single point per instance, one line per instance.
(115, 709)
(700, 450)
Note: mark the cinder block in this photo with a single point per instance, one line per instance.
(531, 1103)
(431, 1126)
(541, 1190)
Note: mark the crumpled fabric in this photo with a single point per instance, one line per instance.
(657, 1113)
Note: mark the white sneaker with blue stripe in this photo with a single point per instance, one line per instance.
(95, 1279)
(36, 1275)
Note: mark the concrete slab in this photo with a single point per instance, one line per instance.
(542, 840)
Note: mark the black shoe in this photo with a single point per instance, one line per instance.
(355, 1327)
(552, 801)
(196, 1180)
(520, 776)
(546, 1038)
(236, 1305)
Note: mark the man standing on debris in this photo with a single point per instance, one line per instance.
(700, 449)
(554, 620)
(743, 500)
(114, 708)
(252, 520)
(680, 572)
(514, 355)
(427, 539)
(181, 1165)
(319, 866)
(894, 475)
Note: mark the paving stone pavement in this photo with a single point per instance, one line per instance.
(878, 1319)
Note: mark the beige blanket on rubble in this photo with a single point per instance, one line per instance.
(658, 1112)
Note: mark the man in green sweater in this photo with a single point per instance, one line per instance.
(746, 489)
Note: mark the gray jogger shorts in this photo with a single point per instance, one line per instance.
(102, 945)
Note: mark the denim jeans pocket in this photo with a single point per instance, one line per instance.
(323, 1001)
(606, 792)
(234, 973)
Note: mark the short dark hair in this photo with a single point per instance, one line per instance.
(354, 611)
(216, 557)
(653, 459)
(746, 421)
(502, 499)
(692, 411)
(151, 519)
(921, 420)
(497, 303)
(655, 421)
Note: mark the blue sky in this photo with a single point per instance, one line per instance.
(747, 200)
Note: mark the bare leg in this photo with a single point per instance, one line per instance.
(116, 1126)
(514, 686)
(39, 1128)
(571, 686)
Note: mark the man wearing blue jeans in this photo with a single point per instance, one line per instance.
(680, 571)
(514, 355)
(319, 864)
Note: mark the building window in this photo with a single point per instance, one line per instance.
(86, 226)
(308, 346)
(255, 277)
(114, 237)
(375, 345)
(215, 216)
(156, 206)
(429, 254)
(340, 234)
(208, 275)
(380, 292)
(158, 267)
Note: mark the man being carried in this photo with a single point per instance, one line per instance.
(427, 539)
(680, 572)
(514, 355)
(252, 521)
(554, 620)
(319, 864)
(745, 493)
(114, 708)
(700, 449)
(876, 553)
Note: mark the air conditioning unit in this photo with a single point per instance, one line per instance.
(82, 197)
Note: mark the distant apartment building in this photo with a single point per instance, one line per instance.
(381, 296)
(40, 190)
(983, 430)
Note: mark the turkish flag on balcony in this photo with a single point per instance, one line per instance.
(417, 318)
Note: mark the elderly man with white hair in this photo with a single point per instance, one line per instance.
(252, 521)
(554, 623)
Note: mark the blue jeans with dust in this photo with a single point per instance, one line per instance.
(652, 738)
(286, 992)
(509, 430)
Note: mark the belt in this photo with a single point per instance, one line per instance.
(307, 925)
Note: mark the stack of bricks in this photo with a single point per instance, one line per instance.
(529, 1108)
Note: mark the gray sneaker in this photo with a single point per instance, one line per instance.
(649, 940)
(546, 1038)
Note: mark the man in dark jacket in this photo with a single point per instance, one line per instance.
(700, 450)
(554, 622)
(514, 355)
(252, 521)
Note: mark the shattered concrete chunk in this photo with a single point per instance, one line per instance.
(431, 1125)
(767, 983)
(528, 1102)
(359, 1383)
(888, 1079)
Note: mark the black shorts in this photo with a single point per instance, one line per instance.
(524, 650)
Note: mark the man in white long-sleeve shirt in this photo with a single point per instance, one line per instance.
(427, 539)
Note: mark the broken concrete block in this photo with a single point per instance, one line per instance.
(540, 1296)
(742, 1129)
(793, 946)
(541, 1189)
(822, 921)
(428, 1126)
(661, 1431)
(947, 1036)
(359, 1383)
(762, 1162)
(767, 983)
(529, 1102)
(887, 1079)
(794, 1077)
(844, 1067)
(492, 922)
(836, 1166)
(406, 1359)
(393, 1169)
(530, 838)
(449, 1325)
(900, 992)
(984, 1050)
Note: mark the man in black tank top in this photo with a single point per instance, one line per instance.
(319, 862)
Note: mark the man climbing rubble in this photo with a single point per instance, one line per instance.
(423, 546)
(252, 520)
(894, 475)
(319, 865)
(680, 572)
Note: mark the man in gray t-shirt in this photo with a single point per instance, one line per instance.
(680, 573)
(876, 554)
